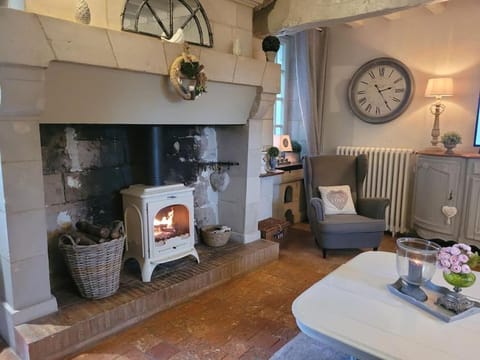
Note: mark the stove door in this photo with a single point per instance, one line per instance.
(170, 227)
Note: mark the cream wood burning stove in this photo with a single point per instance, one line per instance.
(159, 225)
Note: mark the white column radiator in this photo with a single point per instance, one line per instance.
(389, 176)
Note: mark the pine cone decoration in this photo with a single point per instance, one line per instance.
(82, 12)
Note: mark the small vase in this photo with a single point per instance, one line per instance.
(270, 55)
(449, 148)
(273, 163)
(459, 280)
(82, 12)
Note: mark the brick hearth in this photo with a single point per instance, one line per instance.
(80, 322)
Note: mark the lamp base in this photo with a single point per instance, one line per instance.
(413, 291)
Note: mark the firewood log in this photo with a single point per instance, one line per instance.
(99, 231)
(84, 239)
(117, 229)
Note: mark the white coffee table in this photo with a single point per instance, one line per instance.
(352, 309)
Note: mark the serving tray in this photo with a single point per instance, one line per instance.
(434, 292)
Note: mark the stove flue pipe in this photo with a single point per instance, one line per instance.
(155, 155)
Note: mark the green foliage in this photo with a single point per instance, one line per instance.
(270, 43)
(273, 151)
(451, 137)
(296, 146)
(190, 69)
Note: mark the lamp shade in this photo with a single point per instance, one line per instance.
(282, 142)
(438, 87)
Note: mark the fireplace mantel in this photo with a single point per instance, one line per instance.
(37, 40)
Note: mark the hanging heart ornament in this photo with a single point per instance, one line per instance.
(219, 180)
(449, 212)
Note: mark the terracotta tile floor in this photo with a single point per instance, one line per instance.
(246, 318)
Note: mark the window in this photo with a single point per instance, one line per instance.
(279, 110)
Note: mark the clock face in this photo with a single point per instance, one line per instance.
(380, 90)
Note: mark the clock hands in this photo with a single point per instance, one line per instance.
(383, 98)
(388, 88)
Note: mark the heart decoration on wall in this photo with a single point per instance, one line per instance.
(449, 212)
(219, 180)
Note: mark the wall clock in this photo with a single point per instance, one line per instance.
(380, 90)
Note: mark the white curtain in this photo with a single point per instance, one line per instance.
(310, 58)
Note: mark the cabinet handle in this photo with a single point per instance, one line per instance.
(450, 196)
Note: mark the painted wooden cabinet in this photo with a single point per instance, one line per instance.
(446, 184)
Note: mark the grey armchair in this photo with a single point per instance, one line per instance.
(364, 230)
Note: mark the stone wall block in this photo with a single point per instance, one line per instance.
(92, 183)
(19, 132)
(27, 47)
(54, 190)
(89, 154)
(23, 184)
(249, 71)
(220, 67)
(139, 52)
(79, 43)
(205, 216)
(271, 78)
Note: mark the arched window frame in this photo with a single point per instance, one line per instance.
(205, 39)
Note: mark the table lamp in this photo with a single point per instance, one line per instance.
(437, 88)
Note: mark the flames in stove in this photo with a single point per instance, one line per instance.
(170, 222)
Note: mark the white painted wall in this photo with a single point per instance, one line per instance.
(445, 44)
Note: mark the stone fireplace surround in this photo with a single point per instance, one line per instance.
(39, 85)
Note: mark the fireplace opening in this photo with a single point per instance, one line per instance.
(85, 166)
(171, 222)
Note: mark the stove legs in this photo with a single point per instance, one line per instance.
(149, 265)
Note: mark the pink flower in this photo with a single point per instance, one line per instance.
(443, 255)
(465, 247)
(466, 269)
(454, 260)
(454, 250)
(456, 268)
(462, 258)
(445, 263)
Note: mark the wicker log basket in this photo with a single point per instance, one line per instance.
(216, 235)
(95, 269)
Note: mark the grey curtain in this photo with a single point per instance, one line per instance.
(310, 58)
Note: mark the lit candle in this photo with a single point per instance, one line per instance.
(415, 272)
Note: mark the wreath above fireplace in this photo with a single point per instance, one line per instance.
(187, 75)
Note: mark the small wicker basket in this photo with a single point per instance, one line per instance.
(215, 235)
(95, 269)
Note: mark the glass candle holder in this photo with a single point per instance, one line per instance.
(416, 264)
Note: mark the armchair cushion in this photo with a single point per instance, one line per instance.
(337, 199)
(344, 224)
